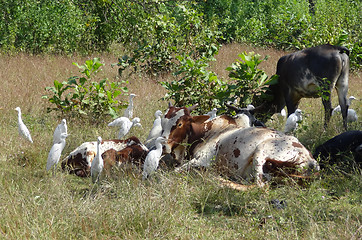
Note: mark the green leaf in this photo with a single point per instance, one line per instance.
(112, 112)
(116, 93)
(72, 80)
(82, 112)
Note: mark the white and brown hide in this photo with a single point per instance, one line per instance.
(114, 153)
(239, 150)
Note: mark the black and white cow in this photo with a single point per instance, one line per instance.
(310, 73)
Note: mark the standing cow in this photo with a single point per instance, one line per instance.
(311, 73)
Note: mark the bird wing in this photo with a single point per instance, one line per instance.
(117, 122)
(25, 132)
(336, 109)
(291, 123)
(57, 133)
(156, 130)
(352, 115)
(124, 128)
(54, 156)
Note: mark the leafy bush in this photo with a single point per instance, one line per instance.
(249, 83)
(80, 97)
(152, 32)
(197, 84)
(172, 30)
(45, 26)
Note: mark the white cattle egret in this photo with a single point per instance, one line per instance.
(153, 158)
(338, 108)
(292, 121)
(23, 130)
(282, 114)
(55, 152)
(128, 113)
(97, 163)
(124, 125)
(61, 128)
(156, 130)
(250, 107)
(212, 113)
(352, 115)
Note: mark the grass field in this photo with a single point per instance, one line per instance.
(37, 205)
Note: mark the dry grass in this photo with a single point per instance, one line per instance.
(37, 205)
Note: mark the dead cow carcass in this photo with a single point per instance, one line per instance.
(244, 151)
(310, 73)
(114, 153)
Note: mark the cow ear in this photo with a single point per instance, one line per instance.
(200, 119)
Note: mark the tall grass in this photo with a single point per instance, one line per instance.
(37, 205)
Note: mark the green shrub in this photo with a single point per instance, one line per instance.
(151, 32)
(45, 26)
(169, 32)
(197, 84)
(79, 96)
(249, 83)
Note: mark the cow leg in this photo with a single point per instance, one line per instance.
(342, 89)
(292, 103)
(258, 163)
(194, 163)
(204, 158)
(190, 164)
(327, 103)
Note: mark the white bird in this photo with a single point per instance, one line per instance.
(97, 163)
(56, 151)
(350, 99)
(153, 158)
(23, 130)
(352, 115)
(250, 107)
(212, 113)
(282, 114)
(156, 130)
(125, 125)
(61, 128)
(128, 113)
(292, 121)
(338, 108)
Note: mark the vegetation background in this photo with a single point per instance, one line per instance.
(39, 41)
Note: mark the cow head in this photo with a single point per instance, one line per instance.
(179, 127)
